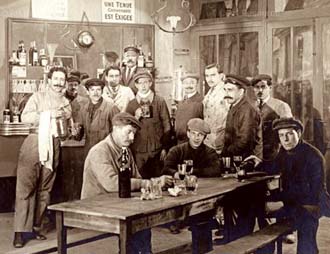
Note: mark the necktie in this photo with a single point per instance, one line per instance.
(260, 104)
(128, 74)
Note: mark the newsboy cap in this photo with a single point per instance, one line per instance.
(142, 74)
(124, 118)
(287, 122)
(261, 77)
(190, 75)
(131, 48)
(237, 80)
(94, 82)
(73, 78)
(199, 125)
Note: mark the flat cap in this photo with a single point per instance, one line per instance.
(237, 80)
(261, 77)
(124, 118)
(111, 55)
(73, 78)
(94, 82)
(190, 75)
(131, 48)
(142, 74)
(287, 122)
(199, 125)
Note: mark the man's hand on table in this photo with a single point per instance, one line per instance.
(255, 159)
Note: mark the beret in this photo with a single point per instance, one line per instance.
(73, 78)
(260, 77)
(190, 75)
(237, 80)
(131, 48)
(199, 125)
(124, 118)
(287, 122)
(94, 82)
(142, 74)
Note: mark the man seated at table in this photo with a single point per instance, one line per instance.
(205, 164)
(302, 192)
(102, 166)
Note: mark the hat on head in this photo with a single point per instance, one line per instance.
(199, 125)
(94, 82)
(287, 122)
(73, 78)
(237, 80)
(190, 75)
(124, 118)
(131, 48)
(261, 77)
(111, 55)
(142, 74)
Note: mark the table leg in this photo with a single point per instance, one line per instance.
(123, 239)
(61, 234)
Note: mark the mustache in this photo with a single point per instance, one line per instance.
(259, 94)
(228, 97)
(130, 61)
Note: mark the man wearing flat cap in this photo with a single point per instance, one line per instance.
(270, 109)
(96, 115)
(190, 107)
(131, 54)
(151, 110)
(102, 166)
(205, 164)
(215, 108)
(303, 193)
(243, 120)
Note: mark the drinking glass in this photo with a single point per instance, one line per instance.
(226, 164)
(189, 167)
(237, 160)
(191, 183)
(182, 170)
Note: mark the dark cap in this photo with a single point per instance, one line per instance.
(199, 125)
(131, 48)
(261, 77)
(287, 122)
(111, 55)
(142, 74)
(190, 75)
(73, 78)
(94, 82)
(237, 80)
(124, 118)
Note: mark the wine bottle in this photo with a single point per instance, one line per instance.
(124, 177)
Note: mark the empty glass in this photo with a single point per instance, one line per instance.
(189, 167)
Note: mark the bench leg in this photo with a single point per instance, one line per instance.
(279, 245)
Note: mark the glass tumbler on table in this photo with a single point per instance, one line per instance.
(182, 170)
(189, 167)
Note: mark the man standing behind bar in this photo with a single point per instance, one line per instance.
(270, 109)
(113, 91)
(39, 157)
(102, 166)
(243, 120)
(190, 107)
(96, 115)
(130, 59)
(215, 107)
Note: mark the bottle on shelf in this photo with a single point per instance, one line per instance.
(6, 116)
(140, 61)
(33, 54)
(124, 175)
(43, 58)
(149, 62)
(16, 115)
(21, 53)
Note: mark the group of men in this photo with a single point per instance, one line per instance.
(122, 110)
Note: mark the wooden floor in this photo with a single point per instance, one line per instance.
(162, 239)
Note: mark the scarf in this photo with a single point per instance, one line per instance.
(93, 107)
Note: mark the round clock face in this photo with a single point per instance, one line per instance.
(85, 39)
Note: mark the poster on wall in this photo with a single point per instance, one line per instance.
(55, 9)
(118, 11)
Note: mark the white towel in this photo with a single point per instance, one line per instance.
(45, 140)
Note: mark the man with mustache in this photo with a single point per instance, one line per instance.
(130, 59)
(215, 107)
(39, 157)
(113, 91)
(103, 164)
(96, 115)
(270, 109)
(190, 107)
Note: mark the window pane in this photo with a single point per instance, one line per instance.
(248, 50)
(291, 5)
(228, 52)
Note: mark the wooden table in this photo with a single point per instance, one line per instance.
(124, 217)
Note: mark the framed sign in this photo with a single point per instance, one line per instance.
(118, 11)
(68, 62)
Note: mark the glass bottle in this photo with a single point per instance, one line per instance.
(22, 54)
(124, 177)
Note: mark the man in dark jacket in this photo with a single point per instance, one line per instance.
(302, 189)
(243, 120)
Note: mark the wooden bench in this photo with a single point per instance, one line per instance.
(256, 240)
